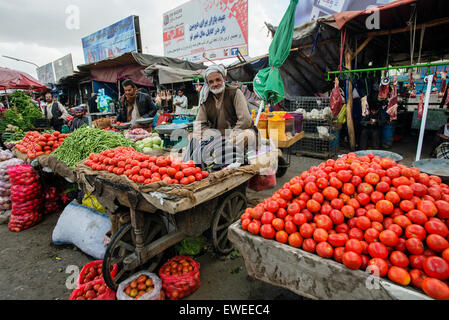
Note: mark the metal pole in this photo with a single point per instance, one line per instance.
(424, 119)
(390, 68)
(262, 106)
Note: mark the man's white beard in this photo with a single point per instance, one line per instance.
(219, 90)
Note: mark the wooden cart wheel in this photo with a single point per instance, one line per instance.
(229, 212)
(282, 167)
(123, 245)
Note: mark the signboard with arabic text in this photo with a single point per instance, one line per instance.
(203, 30)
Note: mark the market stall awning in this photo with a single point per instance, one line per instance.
(131, 66)
(316, 47)
(13, 79)
(164, 75)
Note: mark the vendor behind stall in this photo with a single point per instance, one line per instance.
(135, 105)
(442, 136)
(372, 126)
(55, 112)
(181, 102)
(79, 120)
(224, 108)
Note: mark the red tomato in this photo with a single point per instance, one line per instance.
(378, 250)
(415, 231)
(435, 288)
(354, 246)
(371, 235)
(417, 261)
(267, 231)
(325, 250)
(309, 245)
(306, 231)
(378, 267)
(436, 227)
(324, 222)
(290, 227)
(389, 238)
(415, 246)
(399, 275)
(320, 235)
(436, 267)
(399, 259)
(437, 243)
(352, 260)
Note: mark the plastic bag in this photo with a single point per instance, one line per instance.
(154, 294)
(98, 288)
(91, 201)
(6, 155)
(52, 200)
(94, 267)
(177, 287)
(83, 227)
(260, 183)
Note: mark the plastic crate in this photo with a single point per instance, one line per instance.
(314, 146)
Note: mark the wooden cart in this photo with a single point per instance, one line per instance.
(309, 275)
(153, 223)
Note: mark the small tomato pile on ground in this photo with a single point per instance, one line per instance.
(136, 289)
(145, 169)
(35, 144)
(367, 213)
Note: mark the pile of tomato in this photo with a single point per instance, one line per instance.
(367, 213)
(35, 144)
(145, 169)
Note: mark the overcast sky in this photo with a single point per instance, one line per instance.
(36, 30)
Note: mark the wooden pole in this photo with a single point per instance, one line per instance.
(350, 102)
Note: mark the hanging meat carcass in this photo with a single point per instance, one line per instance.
(384, 89)
(421, 106)
(392, 108)
(337, 99)
(411, 87)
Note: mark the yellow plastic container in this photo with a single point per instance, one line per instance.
(276, 128)
(263, 126)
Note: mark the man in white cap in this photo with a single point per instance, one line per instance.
(223, 108)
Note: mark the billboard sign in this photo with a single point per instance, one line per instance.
(45, 74)
(63, 67)
(202, 30)
(115, 40)
(310, 10)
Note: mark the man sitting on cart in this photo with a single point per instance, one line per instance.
(223, 108)
(135, 105)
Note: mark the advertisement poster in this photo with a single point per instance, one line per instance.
(309, 10)
(63, 67)
(110, 42)
(203, 30)
(45, 74)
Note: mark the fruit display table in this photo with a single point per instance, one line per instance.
(309, 275)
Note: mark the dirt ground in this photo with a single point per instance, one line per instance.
(32, 268)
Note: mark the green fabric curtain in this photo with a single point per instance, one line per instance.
(268, 83)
